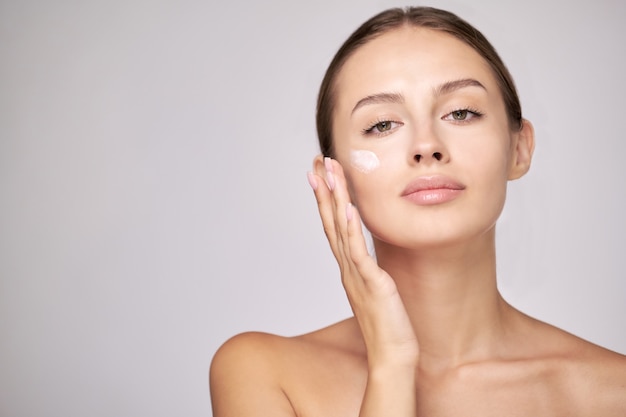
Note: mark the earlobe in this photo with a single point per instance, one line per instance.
(523, 152)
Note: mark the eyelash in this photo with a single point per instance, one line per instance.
(475, 114)
(370, 130)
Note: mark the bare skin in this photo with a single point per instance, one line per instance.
(324, 373)
(431, 335)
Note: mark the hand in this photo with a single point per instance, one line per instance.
(389, 336)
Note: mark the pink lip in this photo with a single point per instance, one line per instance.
(436, 189)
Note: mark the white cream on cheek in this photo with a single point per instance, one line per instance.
(364, 161)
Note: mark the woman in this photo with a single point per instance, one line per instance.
(420, 129)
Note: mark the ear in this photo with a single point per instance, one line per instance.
(522, 154)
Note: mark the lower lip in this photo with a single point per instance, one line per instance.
(433, 197)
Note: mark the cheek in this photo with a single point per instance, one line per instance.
(364, 161)
(363, 172)
(369, 181)
(363, 175)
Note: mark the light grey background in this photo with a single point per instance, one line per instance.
(153, 199)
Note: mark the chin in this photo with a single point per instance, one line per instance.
(434, 236)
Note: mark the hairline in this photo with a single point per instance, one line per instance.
(483, 47)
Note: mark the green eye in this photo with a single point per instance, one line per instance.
(463, 116)
(383, 126)
(459, 114)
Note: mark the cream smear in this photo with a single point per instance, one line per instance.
(364, 161)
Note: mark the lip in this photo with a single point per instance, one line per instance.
(431, 190)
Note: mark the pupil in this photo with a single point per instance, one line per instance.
(382, 126)
(459, 114)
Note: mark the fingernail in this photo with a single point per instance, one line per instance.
(330, 179)
(349, 213)
(312, 180)
(328, 164)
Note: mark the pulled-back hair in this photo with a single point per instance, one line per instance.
(426, 17)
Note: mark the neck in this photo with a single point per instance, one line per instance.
(452, 299)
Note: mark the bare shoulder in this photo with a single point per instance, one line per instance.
(244, 377)
(601, 375)
(259, 374)
(595, 377)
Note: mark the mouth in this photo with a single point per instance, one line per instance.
(431, 190)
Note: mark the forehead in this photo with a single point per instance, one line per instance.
(409, 57)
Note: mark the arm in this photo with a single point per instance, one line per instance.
(392, 348)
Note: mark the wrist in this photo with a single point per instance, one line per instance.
(395, 371)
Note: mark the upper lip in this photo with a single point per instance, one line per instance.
(432, 182)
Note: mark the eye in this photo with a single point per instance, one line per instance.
(381, 127)
(462, 115)
(459, 114)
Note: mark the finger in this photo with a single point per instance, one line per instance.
(341, 199)
(326, 209)
(340, 195)
(364, 263)
(352, 279)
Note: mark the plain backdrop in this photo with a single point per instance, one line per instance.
(153, 196)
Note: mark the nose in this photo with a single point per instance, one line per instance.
(438, 156)
(427, 148)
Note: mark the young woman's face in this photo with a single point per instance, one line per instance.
(421, 131)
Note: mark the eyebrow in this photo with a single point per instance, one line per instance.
(451, 86)
(397, 98)
(393, 98)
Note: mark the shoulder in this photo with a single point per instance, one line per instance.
(600, 376)
(258, 373)
(244, 377)
(595, 376)
(243, 350)
(586, 379)
(252, 351)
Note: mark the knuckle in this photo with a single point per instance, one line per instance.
(358, 260)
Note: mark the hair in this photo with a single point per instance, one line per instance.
(425, 17)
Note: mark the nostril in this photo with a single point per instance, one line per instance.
(417, 157)
(437, 156)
